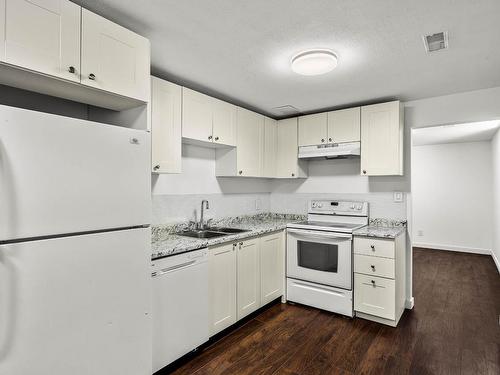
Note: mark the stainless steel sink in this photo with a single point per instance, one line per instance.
(202, 234)
(228, 230)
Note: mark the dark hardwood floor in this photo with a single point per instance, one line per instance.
(453, 329)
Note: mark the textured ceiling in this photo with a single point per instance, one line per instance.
(240, 50)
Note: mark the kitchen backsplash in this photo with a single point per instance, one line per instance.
(180, 208)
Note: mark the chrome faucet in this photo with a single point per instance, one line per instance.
(204, 205)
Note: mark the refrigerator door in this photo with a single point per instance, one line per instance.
(63, 175)
(76, 305)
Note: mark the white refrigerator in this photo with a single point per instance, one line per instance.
(75, 283)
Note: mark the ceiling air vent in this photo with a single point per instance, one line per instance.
(286, 110)
(436, 42)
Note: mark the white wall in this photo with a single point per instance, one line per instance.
(452, 196)
(495, 153)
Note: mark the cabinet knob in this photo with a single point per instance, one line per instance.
(373, 247)
(373, 282)
(241, 243)
(209, 137)
(373, 267)
(329, 139)
(293, 174)
(240, 172)
(364, 171)
(92, 76)
(72, 70)
(156, 167)
(322, 140)
(216, 138)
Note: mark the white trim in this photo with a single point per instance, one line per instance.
(409, 303)
(496, 260)
(461, 249)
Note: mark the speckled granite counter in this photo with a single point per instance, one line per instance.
(383, 228)
(165, 242)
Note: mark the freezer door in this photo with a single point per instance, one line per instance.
(63, 175)
(76, 305)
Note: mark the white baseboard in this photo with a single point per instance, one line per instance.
(461, 249)
(496, 260)
(409, 303)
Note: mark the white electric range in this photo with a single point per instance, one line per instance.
(319, 255)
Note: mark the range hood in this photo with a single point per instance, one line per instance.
(330, 151)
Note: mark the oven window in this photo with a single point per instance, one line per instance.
(318, 256)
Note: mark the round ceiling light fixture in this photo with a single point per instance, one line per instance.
(314, 62)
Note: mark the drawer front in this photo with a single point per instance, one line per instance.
(374, 247)
(375, 296)
(376, 266)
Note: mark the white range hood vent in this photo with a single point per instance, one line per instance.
(331, 151)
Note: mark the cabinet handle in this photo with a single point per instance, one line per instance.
(209, 137)
(92, 76)
(216, 138)
(373, 282)
(373, 267)
(373, 247)
(156, 167)
(72, 70)
(322, 140)
(364, 172)
(240, 172)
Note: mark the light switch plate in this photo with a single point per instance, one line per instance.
(398, 196)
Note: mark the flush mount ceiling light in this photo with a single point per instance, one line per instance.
(314, 62)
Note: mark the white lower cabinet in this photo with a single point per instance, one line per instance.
(222, 287)
(248, 277)
(244, 276)
(380, 278)
(272, 270)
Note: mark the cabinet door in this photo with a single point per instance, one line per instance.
(250, 144)
(224, 122)
(272, 261)
(344, 125)
(313, 129)
(269, 168)
(248, 283)
(222, 286)
(196, 115)
(287, 161)
(375, 296)
(382, 139)
(166, 126)
(113, 58)
(43, 35)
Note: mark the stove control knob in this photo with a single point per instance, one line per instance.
(353, 207)
(320, 205)
(359, 207)
(313, 205)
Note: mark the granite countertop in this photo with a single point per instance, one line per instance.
(165, 242)
(382, 228)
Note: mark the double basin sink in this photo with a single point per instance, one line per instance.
(211, 232)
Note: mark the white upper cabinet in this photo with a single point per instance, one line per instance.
(344, 125)
(224, 122)
(382, 127)
(206, 119)
(166, 100)
(42, 35)
(288, 164)
(313, 129)
(250, 143)
(196, 115)
(269, 168)
(113, 58)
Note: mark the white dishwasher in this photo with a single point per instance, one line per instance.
(180, 305)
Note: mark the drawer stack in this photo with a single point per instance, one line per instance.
(379, 278)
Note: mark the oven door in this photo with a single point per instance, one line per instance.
(320, 257)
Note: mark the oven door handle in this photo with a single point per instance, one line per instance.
(329, 235)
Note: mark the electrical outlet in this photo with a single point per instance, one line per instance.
(420, 233)
(398, 197)
(257, 204)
